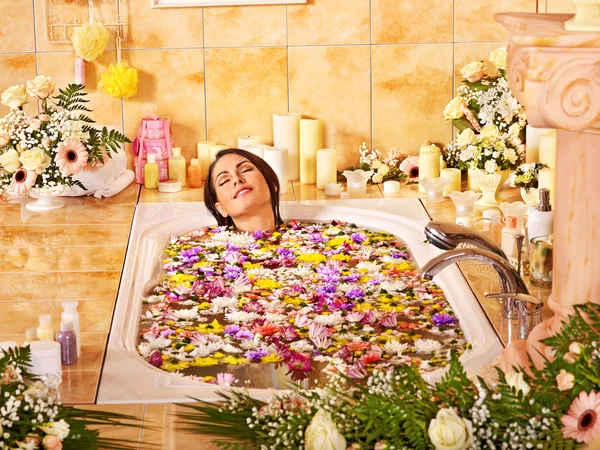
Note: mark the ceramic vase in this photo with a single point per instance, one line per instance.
(532, 197)
(471, 181)
(45, 199)
(489, 183)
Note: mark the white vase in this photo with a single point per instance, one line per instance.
(489, 183)
(532, 197)
(471, 181)
(45, 198)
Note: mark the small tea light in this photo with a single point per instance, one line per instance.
(333, 189)
(391, 187)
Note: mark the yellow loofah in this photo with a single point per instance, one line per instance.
(119, 81)
(90, 40)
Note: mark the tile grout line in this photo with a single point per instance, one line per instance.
(205, 77)
(287, 49)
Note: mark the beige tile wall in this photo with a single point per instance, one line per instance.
(378, 71)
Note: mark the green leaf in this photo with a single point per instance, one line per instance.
(462, 124)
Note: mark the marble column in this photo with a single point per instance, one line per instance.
(555, 74)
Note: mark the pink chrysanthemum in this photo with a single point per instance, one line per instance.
(71, 156)
(22, 181)
(410, 166)
(582, 420)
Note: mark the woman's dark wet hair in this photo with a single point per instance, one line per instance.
(210, 194)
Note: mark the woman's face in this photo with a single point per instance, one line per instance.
(240, 187)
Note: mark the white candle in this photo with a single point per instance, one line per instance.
(257, 149)
(429, 162)
(548, 150)
(453, 175)
(286, 133)
(245, 141)
(311, 139)
(391, 187)
(203, 149)
(45, 357)
(333, 189)
(326, 167)
(214, 149)
(277, 158)
(532, 142)
(547, 179)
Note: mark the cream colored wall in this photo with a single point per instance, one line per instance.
(378, 71)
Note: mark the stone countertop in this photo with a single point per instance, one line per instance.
(77, 253)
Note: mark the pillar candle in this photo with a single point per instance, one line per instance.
(277, 158)
(391, 187)
(257, 149)
(286, 133)
(311, 139)
(203, 149)
(547, 179)
(532, 142)
(245, 141)
(214, 149)
(333, 189)
(429, 162)
(326, 167)
(548, 150)
(454, 176)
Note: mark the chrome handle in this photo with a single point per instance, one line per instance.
(529, 310)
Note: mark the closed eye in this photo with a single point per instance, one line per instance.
(223, 182)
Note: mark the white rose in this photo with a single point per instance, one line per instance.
(565, 380)
(322, 433)
(35, 159)
(453, 110)
(514, 129)
(41, 87)
(15, 96)
(375, 164)
(490, 166)
(474, 71)
(498, 58)
(467, 154)
(377, 178)
(383, 170)
(449, 431)
(59, 429)
(465, 138)
(10, 161)
(515, 380)
(510, 155)
(490, 131)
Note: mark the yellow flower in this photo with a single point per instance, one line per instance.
(90, 40)
(181, 278)
(203, 305)
(208, 379)
(218, 355)
(173, 367)
(340, 257)
(234, 360)
(336, 242)
(363, 307)
(213, 327)
(201, 264)
(272, 358)
(267, 284)
(165, 357)
(248, 265)
(292, 300)
(189, 347)
(402, 267)
(204, 362)
(119, 81)
(314, 258)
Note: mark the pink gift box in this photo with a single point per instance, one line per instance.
(163, 169)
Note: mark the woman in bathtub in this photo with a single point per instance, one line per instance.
(242, 191)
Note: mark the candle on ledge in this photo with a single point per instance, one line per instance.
(548, 150)
(311, 139)
(532, 142)
(214, 149)
(429, 162)
(547, 179)
(286, 133)
(277, 158)
(257, 149)
(333, 189)
(203, 149)
(326, 167)
(245, 141)
(391, 187)
(453, 175)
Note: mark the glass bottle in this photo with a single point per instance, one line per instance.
(68, 343)
(194, 174)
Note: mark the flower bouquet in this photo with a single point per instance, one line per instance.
(31, 416)
(44, 151)
(384, 169)
(556, 407)
(526, 177)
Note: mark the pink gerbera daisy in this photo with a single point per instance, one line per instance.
(71, 156)
(22, 181)
(582, 420)
(410, 166)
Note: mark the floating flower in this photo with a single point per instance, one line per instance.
(410, 166)
(581, 421)
(71, 156)
(440, 320)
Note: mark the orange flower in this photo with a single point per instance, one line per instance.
(266, 329)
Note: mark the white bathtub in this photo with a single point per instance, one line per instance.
(127, 378)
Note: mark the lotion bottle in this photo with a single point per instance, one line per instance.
(509, 244)
(45, 329)
(194, 174)
(540, 222)
(177, 166)
(151, 172)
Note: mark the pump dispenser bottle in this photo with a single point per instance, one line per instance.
(540, 222)
(70, 314)
(177, 167)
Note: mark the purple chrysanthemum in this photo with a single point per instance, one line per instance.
(443, 319)
(355, 293)
(255, 355)
(359, 238)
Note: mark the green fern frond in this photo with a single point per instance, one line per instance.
(72, 98)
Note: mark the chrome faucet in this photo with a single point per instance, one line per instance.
(510, 280)
(529, 310)
(447, 235)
